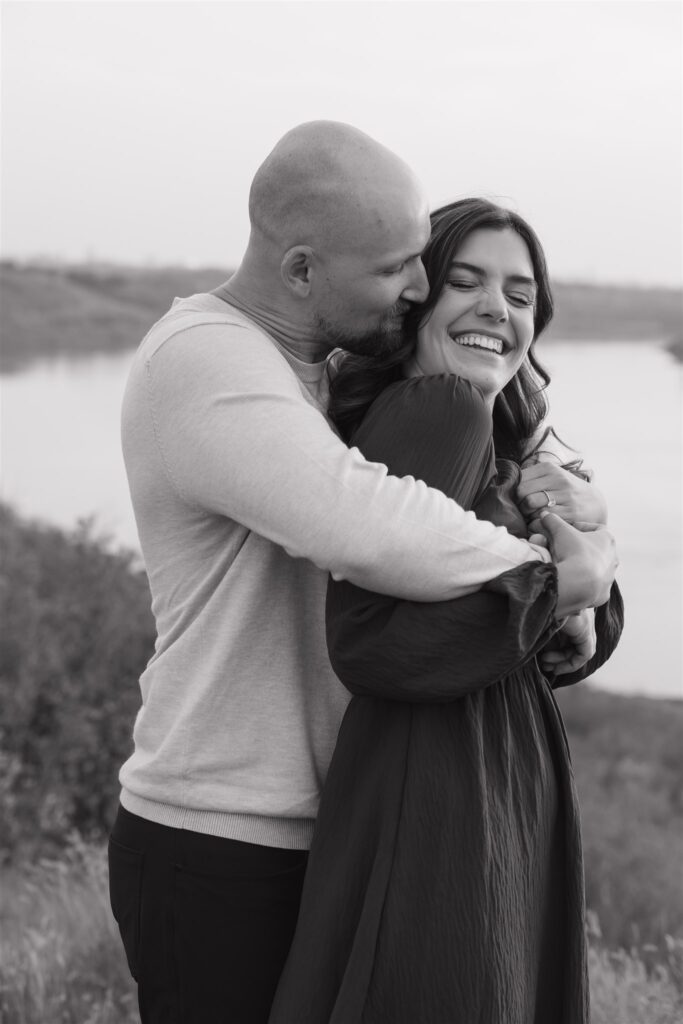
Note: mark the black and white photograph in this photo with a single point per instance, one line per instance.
(341, 512)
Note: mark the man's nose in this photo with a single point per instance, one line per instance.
(492, 304)
(417, 288)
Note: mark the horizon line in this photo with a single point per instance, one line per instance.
(57, 263)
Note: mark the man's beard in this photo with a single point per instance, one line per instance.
(384, 339)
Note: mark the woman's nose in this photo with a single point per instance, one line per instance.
(492, 304)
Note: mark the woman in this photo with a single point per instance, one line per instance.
(445, 879)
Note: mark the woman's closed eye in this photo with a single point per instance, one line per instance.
(520, 299)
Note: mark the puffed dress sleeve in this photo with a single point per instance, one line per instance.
(609, 625)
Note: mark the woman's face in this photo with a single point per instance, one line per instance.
(483, 322)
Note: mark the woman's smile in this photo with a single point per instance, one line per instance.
(487, 342)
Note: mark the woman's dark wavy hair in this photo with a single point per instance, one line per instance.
(521, 406)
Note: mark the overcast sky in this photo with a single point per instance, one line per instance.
(131, 131)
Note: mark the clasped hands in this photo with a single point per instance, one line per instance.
(582, 549)
(545, 484)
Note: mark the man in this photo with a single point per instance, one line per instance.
(245, 499)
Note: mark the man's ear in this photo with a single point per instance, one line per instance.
(296, 270)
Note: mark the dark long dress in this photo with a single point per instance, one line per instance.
(445, 880)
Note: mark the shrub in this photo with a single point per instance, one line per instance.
(77, 632)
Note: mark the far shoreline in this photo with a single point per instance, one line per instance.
(63, 309)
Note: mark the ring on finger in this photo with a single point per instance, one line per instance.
(550, 501)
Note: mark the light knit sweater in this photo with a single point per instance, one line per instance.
(245, 498)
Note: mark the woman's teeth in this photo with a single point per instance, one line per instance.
(480, 341)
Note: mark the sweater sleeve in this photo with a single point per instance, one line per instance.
(237, 438)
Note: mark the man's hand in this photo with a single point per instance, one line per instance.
(586, 560)
(572, 647)
(576, 501)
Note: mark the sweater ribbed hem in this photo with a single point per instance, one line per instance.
(282, 833)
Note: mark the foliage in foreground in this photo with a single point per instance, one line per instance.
(61, 960)
(77, 631)
(628, 762)
(627, 988)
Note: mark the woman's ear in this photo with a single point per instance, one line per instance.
(296, 270)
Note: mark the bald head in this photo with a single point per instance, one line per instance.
(338, 225)
(329, 186)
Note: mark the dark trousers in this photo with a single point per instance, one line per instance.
(206, 922)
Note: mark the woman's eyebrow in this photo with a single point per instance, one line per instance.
(517, 278)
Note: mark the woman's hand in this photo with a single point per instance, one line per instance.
(586, 559)
(547, 485)
(572, 647)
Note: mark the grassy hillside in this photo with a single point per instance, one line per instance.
(81, 309)
(592, 312)
(76, 310)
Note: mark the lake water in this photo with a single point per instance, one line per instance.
(620, 403)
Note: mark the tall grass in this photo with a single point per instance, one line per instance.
(626, 990)
(61, 960)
